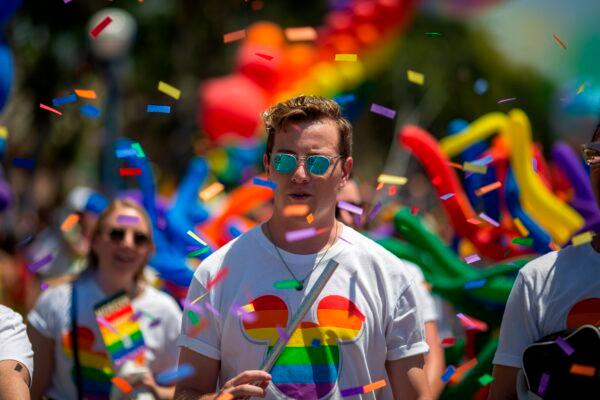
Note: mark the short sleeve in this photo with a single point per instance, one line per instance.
(425, 300)
(405, 331)
(42, 317)
(168, 356)
(519, 325)
(14, 343)
(200, 329)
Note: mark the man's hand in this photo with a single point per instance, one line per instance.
(243, 385)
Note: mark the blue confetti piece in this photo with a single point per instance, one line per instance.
(264, 182)
(123, 153)
(344, 98)
(351, 391)
(475, 284)
(59, 101)
(446, 196)
(174, 374)
(21, 162)
(158, 109)
(315, 343)
(89, 110)
(448, 373)
(483, 161)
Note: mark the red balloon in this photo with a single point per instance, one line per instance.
(230, 107)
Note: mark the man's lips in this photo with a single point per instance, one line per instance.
(299, 195)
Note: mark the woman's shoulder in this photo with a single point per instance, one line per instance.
(158, 301)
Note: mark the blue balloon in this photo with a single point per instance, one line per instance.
(6, 73)
(7, 9)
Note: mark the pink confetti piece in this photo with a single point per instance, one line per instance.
(300, 234)
(54, 110)
(449, 341)
(350, 207)
(381, 110)
(128, 219)
(446, 196)
(105, 323)
(100, 27)
(233, 36)
(472, 258)
(222, 274)
(506, 100)
(282, 333)
(486, 218)
(265, 56)
(472, 323)
(210, 308)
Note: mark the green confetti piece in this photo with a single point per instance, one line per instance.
(193, 317)
(433, 33)
(198, 252)
(138, 149)
(485, 379)
(287, 284)
(523, 241)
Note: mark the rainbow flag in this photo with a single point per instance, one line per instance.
(122, 335)
(309, 365)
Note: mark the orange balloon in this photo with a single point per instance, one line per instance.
(265, 34)
(297, 60)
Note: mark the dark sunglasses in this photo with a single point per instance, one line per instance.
(317, 165)
(117, 235)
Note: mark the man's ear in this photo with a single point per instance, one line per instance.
(267, 165)
(346, 170)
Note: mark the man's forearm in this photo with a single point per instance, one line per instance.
(191, 394)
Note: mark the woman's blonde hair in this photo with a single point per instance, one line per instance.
(110, 209)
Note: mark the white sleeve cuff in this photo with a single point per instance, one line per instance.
(407, 351)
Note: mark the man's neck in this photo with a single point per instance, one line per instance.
(276, 228)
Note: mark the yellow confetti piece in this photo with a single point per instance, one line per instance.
(211, 191)
(86, 94)
(415, 77)
(346, 57)
(249, 307)
(582, 238)
(520, 227)
(233, 36)
(310, 218)
(3, 132)
(305, 33)
(476, 168)
(196, 238)
(581, 88)
(169, 90)
(392, 179)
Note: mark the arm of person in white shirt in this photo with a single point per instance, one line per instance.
(43, 359)
(504, 385)
(14, 380)
(407, 378)
(201, 385)
(435, 362)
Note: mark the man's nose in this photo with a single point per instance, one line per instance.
(300, 174)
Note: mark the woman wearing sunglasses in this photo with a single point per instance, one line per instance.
(70, 354)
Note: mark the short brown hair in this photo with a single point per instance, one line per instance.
(306, 109)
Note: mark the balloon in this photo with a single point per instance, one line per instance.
(263, 71)
(6, 73)
(7, 8)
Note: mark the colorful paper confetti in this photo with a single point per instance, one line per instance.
(487, 188)
(350, 207)
(222, 274)
(392, 179)
(448, 373)
(472, 258)
(69, 222)
(100, 27)
(89, 110)
(173, 375)
(560, 42)
(506, 100)
(45, 107)
(564, 346)
(301, 34)
(59, 101)
(415, 77)
(152, 108)
(287, 284)
(169, 90)
(36, 265)
(446, 196)
(85, 94)
(234, 36)
(582, 238)
(346, 57)
(264, 182)
(211, 191)
(130, 171)
(300, 234)
(381, 110)
(485, 379)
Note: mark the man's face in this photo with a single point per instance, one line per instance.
(303, 139)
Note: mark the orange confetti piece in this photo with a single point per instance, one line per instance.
(296, 210)
(69, 222)
(462, 370)
(306, 33)
(310, 218)
(455, 165)
(86, 94)
(487, 188)
(380, 186)
(233, 36)
(374, 386)
(560, 42)
(474, 221)
(584, 370)
(211, 191)
(122, 384)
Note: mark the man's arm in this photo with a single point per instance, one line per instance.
(434, 360)
(43, 359)
(201, 385)
(407, 378)
(504, 386)
(14, 381)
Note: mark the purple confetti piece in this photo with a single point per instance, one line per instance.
(486, 218)
(293, 236)
(210, 308)
(534, 163)
(36, 265)
(136, 316)
(282, 333)
(44, 286)
(472, 258)
(128, 219)
(446, 196)
(506, 100)
(104, 322)
(543, 384)
(350, 207)
(351, 391)
(375, 210)
(194, 307)
(566, 347)
(155, 323)
(381, 110)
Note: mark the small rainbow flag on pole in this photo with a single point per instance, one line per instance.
(121, 333)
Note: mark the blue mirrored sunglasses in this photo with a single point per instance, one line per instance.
(317, 165)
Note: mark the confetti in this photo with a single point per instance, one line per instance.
(301, 34)
(449, 341)
(485, 379)
(391, 179)
(350, 207)
(124, 153)
(36, 265)
(566, 347)
(455, 165)
(122, 384)
(287, 284)
(463, 369)
(582, 238)
(59, 101)
(475, 284)
(414, 210)
(211, 191)
(415, 77)
(173, 375)
(89, 110)
(474, 221)
(138, 148)
(527, 242)
(346, 57)
(381, 110)
(45, 107)
(315, 343)
(560, 42)
(487, 188)
(446, 196)
(222, 274)
(448, 373)
(130, 171)
(486, 218)
(296, 210)
(351, 391)
(169, 90)
(3, 132)
(584, 370)
(264, 182)
(520, 227)
(69, 222)
(248, 307)
(472, 323)
(86, 94)
(433, 33)
(375, 210)
(300, 234)
(22, 162)
(506, 100)
(197, 253)
(153, 108)
(233, 36)
(196, 238)
(212, 310)
(310, 218)
(100, 27)
(476, 168)
(374, 386)
(472, 258)
(581, 88)
(543, 384)
(128, 219)
(193, 317)
(344, 99)
(44, 286)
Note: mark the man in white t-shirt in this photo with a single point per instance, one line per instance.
(16, 356)
(557, 291)
(364, 326)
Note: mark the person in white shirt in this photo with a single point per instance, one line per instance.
(365, 325)
(557, 291)
(16, 357)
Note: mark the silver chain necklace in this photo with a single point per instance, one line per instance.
(301, 286)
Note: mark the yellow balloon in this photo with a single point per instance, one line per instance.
(480, 129)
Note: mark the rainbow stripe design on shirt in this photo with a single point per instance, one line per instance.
(121, 334)
(308, 368)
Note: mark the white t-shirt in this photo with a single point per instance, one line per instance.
(14, 343)
(557, 291)
(365, 315)
(51, 316)
(425, 300)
